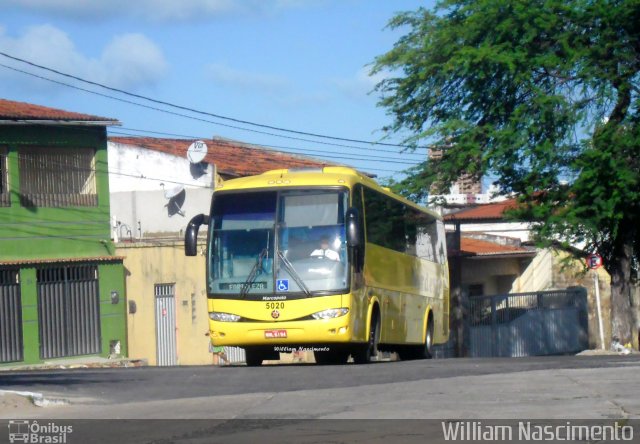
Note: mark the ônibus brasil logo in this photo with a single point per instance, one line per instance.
(33, 432)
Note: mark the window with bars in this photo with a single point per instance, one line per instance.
(57, 177)
(4, 179)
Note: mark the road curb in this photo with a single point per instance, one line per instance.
(37, 399)
(111, 363)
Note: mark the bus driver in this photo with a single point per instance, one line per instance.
(324, 251)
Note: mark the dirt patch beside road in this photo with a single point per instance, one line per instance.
(11, 402)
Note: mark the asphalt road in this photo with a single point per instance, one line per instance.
(343, 403)
(141, 384)
(123, 385)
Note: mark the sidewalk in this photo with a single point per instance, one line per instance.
(79, 362)
(22, 401)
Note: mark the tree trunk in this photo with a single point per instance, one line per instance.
(622, 325)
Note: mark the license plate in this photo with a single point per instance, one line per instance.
(272, 334)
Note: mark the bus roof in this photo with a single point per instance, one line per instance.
(313, 177)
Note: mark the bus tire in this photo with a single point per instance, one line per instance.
(426, 351)
(364, 353)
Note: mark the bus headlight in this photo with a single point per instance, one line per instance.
(223, 317)
(330, 313)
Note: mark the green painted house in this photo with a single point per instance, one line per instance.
(62, 289)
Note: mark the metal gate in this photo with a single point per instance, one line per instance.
(166, 349)
(11, 349)
(69, 311)
(236, 355)
(529, 324)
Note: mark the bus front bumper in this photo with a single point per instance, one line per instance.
(241, 334)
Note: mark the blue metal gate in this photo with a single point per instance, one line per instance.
(528, 324)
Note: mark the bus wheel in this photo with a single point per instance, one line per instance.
(427, 350)
(364, 354)
(331, 357)
(253, 358)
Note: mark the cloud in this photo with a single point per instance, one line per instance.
(129, 61)
(277, 89)
(360, 85)
(301, 100)
(132, 59)
(159, 10)
(231, 77)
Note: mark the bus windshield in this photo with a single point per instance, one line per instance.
(289, 242)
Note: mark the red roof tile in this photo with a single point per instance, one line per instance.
(230, 157)
(492, 211)
(476, 247)
(62, 260)
(10, 110)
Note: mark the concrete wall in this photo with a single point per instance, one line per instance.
(515, 230)
(537, 274)
(571, 272)
(133, 168)
(140, 214)
(148, 264)
(491, 273)
(142, 183)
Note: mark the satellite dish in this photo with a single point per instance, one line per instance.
(170, 193)
(175, 196)
(197, 151)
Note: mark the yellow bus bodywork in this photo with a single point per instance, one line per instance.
(405, 289)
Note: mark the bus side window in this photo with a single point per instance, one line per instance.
(384, 221)
(411, 218)
(356, 202)
(427, 238)
(441, 245)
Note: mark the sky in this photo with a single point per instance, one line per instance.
(301, 65)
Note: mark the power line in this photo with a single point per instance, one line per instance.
(115, 172)
(297, 150)
(262, 145)
(218, 116)
(173, 113)
(254, 146)
(217, 123)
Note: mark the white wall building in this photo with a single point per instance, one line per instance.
(156, 190)
(155, 193)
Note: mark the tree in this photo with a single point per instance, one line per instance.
(543, 95)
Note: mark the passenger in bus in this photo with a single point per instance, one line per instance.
(324, 251)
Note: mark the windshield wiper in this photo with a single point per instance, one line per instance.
(253, 273)
(294, 274)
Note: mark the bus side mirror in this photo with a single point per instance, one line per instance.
(353, 227)
(191, 236)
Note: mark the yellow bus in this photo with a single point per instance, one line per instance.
(325, 260)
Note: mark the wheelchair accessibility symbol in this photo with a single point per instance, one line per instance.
(282, 284)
